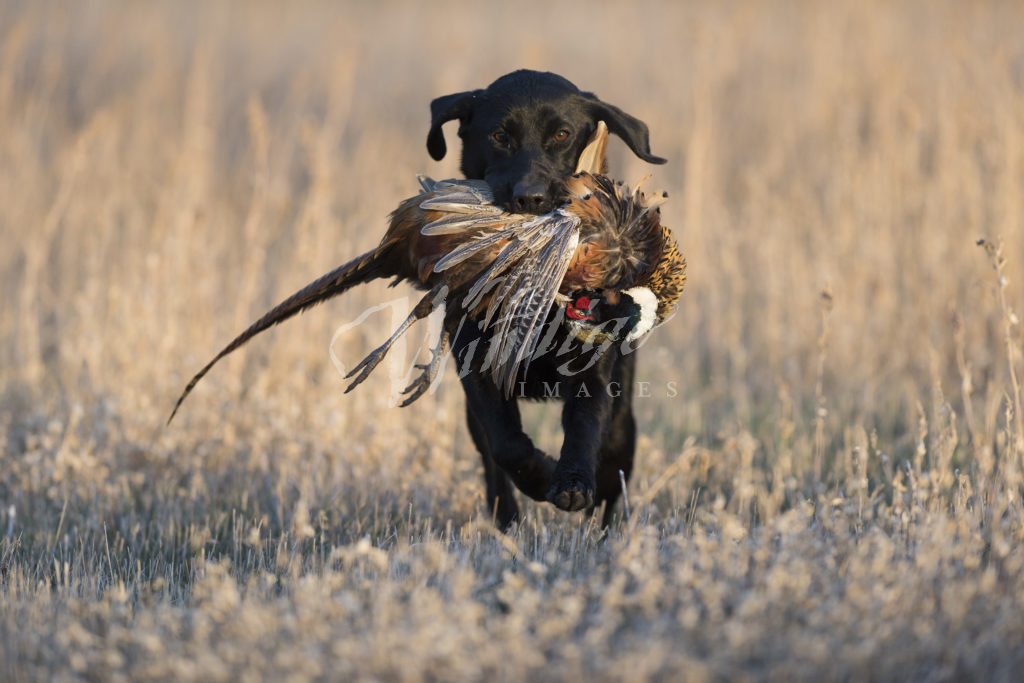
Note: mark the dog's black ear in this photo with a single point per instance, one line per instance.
(442, 110)
(631, 129)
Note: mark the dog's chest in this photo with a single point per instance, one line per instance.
(559, 366)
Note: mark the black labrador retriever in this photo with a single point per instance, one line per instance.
(523, 134)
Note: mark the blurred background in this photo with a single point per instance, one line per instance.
(170, 170)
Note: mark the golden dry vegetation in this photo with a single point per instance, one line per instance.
(834, 492)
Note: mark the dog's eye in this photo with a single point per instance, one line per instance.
(561, 136)
(501, 137)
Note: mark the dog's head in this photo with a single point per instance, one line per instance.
(524, 133)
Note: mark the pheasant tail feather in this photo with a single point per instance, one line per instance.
(357, 271)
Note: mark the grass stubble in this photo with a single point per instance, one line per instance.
(830, 488)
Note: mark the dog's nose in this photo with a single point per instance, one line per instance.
(531, 198)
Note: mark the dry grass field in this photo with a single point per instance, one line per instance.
(831, 466)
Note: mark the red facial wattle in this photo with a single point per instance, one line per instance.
(579, 309)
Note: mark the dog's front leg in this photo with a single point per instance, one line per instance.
(586, 414)
(502, 429)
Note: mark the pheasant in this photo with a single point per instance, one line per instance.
(603, 255)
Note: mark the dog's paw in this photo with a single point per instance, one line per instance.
(571, 491)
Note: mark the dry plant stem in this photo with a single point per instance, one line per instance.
(1009, 319)
(625, 494)
(821, 412)
(966, 383)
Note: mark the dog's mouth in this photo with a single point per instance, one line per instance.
(536, 203)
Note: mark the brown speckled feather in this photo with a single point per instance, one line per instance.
(668, 277)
